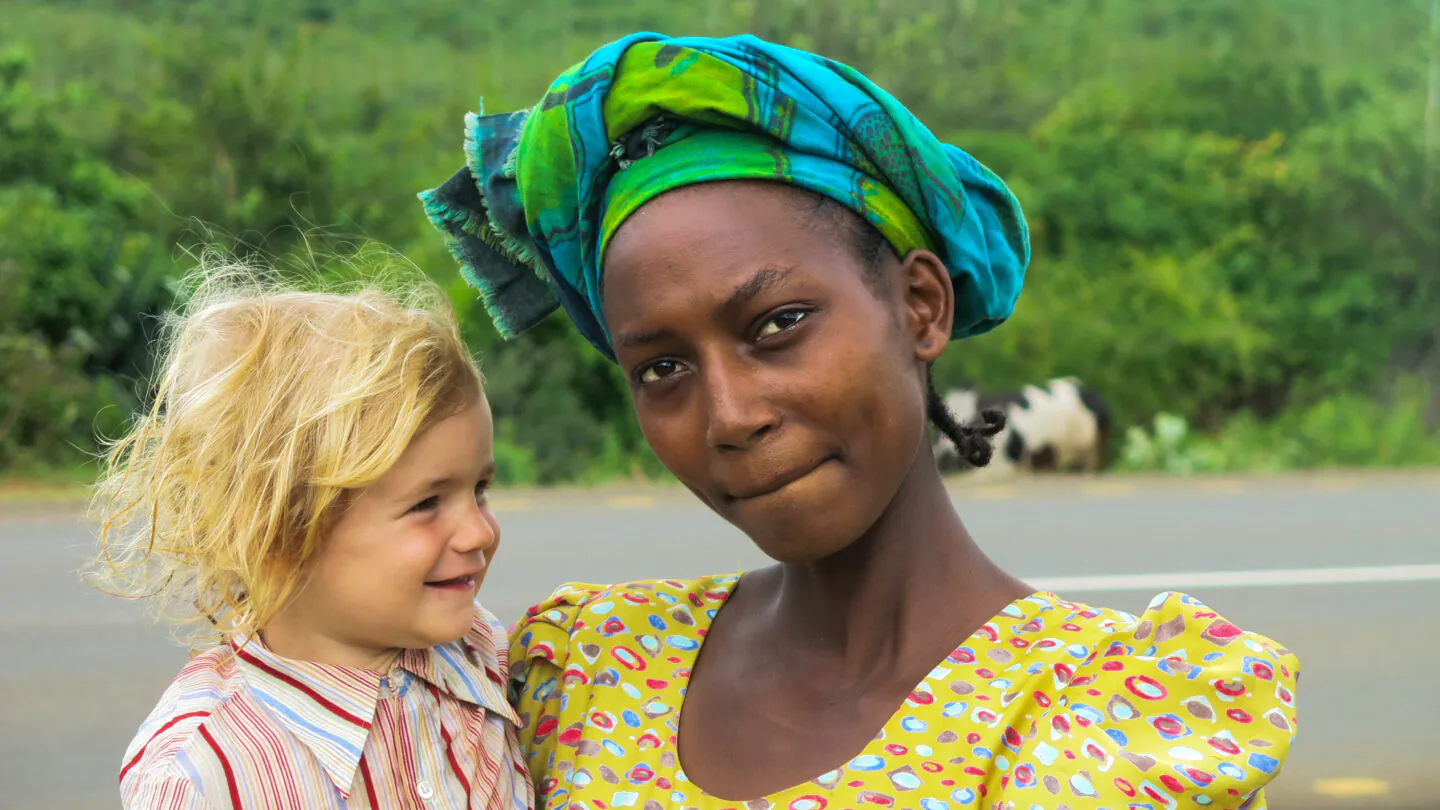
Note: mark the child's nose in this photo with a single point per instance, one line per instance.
(478, 530)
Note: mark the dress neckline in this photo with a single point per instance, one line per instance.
(1024, 609)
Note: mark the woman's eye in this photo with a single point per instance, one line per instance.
(426, 505)
(781, 322)
(659, 370)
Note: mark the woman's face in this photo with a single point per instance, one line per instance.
(771, 375)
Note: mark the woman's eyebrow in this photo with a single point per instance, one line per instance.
(762, 280)
(633, 340)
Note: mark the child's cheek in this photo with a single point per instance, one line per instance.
(423, 548)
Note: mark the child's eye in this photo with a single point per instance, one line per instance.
(481, 490)
(426, 505)
(781, 322)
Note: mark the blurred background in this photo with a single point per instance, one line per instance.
(1235, 211)
(1233, 204)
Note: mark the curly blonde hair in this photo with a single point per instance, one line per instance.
(271, 404)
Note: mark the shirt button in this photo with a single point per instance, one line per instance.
(424, 790)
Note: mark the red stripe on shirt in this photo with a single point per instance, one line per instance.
(262, 738)
(263, 759)
(454, 763)
(224, 763)
(450, 747)
(316, 696)
(160, 731)
(369, 785)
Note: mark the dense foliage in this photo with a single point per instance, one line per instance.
(1233, 211)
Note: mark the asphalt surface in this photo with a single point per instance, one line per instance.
(80, 670)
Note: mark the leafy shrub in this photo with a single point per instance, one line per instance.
(1344, 430)
(1225, 198)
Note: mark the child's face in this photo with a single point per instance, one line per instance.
(402, 565)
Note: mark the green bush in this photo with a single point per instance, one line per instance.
(1225, 197)
(80, 275)
(49, 408)
(1205, 273)
(1344, 430)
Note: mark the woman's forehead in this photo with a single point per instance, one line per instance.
(712, 245)
(718, 225)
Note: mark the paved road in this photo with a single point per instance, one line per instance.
(80, 670)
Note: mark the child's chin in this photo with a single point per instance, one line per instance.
(446, 631)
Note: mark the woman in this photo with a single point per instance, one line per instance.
(775, 252)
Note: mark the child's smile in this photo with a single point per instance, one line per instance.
(401, 567)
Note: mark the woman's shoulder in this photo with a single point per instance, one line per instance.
(1177, 627)
(661, 611)
(1179, 655)
(1176, 700)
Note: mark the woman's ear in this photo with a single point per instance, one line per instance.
(929, 303)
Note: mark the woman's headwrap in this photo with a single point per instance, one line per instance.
(545, 189)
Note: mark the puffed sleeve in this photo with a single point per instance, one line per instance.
(539, 652)
(1176, 708)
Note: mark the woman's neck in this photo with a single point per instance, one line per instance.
(915, 580)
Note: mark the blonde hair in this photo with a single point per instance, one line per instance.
(271, 403)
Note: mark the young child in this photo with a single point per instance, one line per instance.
(308, 495)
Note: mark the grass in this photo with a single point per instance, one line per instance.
(47, 486)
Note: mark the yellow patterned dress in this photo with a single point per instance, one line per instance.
(1051, 704)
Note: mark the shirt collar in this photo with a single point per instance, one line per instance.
(330, 709)
(472, 669)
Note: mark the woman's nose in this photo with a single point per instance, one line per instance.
(737, 416)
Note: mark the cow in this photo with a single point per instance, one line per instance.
(1060, 426)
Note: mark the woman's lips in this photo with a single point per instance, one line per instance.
(778, 482)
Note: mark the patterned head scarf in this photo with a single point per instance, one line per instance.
(544, 189)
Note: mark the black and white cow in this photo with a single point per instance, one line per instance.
(1061, 425)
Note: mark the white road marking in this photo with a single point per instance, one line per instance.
(1275, 577)
(1181, 580)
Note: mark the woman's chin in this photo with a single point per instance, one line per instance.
(813, 518)
(807, 535)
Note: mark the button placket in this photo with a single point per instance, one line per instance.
(430, 784)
